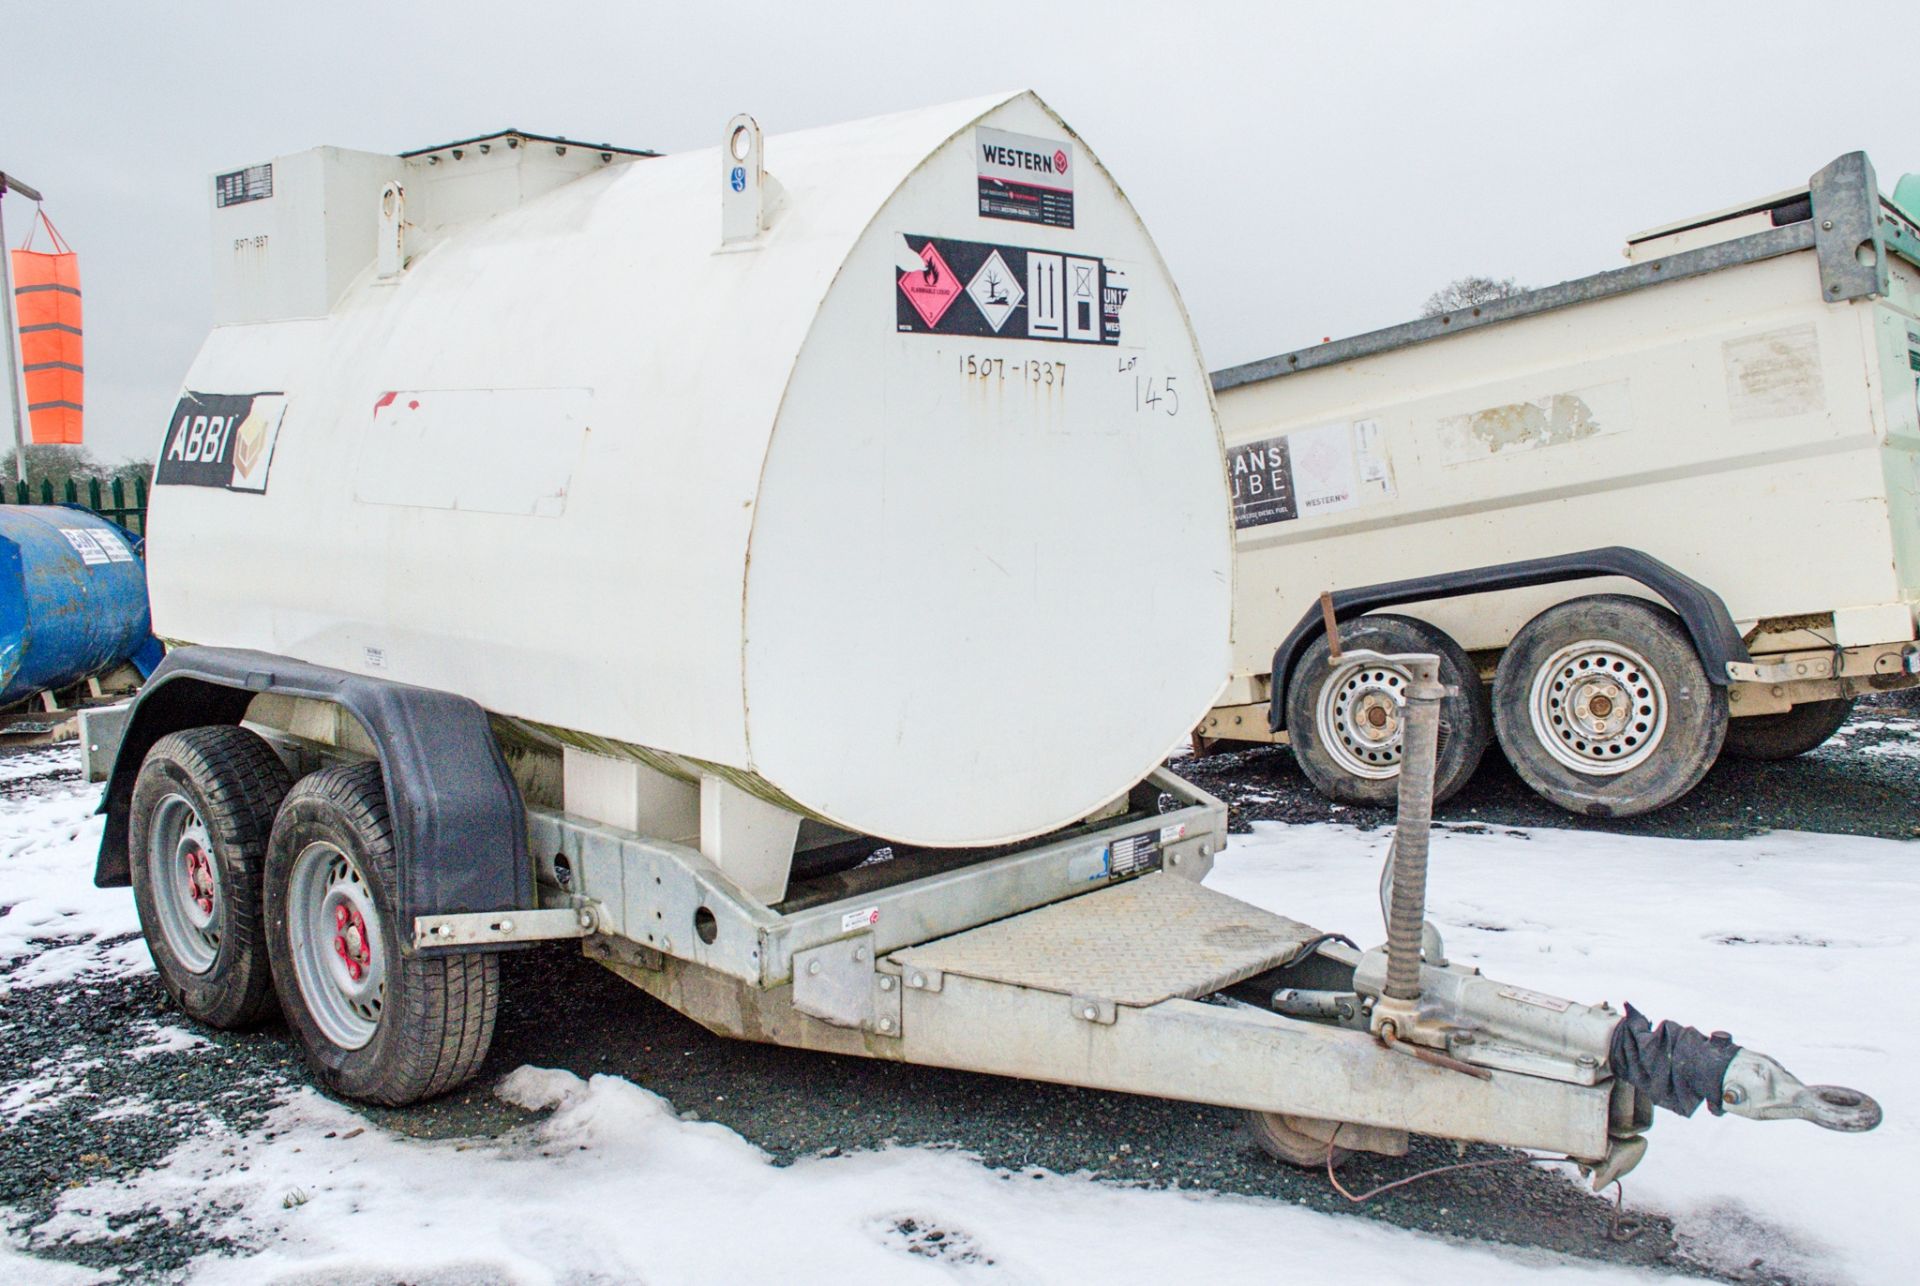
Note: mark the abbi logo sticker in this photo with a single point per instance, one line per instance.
(223, 440)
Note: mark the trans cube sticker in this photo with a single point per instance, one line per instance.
(221, 440)
(1023, 178)
(1318, 470)
(1262, 476)
(971, 288)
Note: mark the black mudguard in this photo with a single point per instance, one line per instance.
(458, 819)
(1703, 612)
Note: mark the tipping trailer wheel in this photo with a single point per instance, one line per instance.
(1346, 723)
(1789, 733)
(1281, 1137)
(1604, 708)
(203, 806)
(376, 1025)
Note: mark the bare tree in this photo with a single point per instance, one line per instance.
(1467, 292)
(48, 461)
(131, 468)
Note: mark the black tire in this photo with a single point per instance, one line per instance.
(1281, 1137)
(423, 1024)
(1332, 760)
(208, 796)
(1662, 722)
(1789, 733)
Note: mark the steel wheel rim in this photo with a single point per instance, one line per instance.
(1362, 718)
(187, 891)
(338, 952)
(1598, 707)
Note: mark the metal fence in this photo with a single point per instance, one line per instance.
(120, 501)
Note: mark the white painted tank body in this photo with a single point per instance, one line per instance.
(582, 464)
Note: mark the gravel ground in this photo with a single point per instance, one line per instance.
(110, 1112)
(1859, 783)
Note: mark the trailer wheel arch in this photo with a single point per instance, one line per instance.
(459, 821)
(1701, 610)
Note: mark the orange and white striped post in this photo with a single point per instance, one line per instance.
(10, 184)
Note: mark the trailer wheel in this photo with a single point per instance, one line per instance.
(1789, 733)
(376, 1025)
(1281, 1137)
(1344, 722)
(202, 808)
(1604, 708)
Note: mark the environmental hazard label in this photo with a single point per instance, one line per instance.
(1012, 293)
(995, 291)
(1023, 178)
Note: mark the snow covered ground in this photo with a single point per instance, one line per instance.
(1786, 940)
(1799, 945)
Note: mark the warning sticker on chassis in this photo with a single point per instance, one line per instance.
(1008, 292)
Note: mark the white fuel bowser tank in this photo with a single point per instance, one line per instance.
(872, 466)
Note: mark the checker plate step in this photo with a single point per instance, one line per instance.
(1136, 943)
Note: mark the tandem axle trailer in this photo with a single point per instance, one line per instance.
(1644, 516)
(1093, 956)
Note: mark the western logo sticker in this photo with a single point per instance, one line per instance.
(1023, 178)
(1011, 293)
(221, 440)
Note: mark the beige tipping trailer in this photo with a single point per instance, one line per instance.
(1640, 515)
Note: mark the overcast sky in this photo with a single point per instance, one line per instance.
(1308, 170)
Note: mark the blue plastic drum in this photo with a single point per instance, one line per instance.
(73, 599)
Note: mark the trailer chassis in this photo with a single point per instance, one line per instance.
(1099, 959)
(1094, 956)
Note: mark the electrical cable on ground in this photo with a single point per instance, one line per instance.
(1618, 1228)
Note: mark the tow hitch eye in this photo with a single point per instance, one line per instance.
(1758, 1088)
